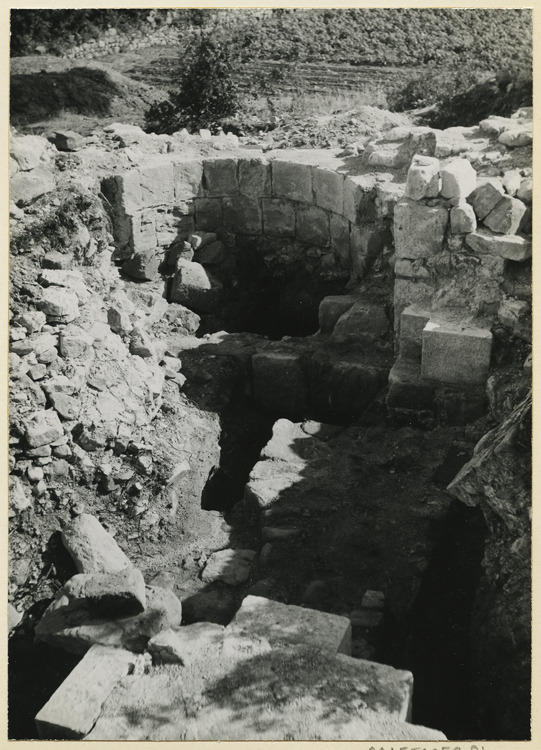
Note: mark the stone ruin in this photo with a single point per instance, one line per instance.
(459, 247)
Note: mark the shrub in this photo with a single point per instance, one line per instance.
(208, 93)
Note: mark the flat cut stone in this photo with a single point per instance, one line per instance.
(423, 178)
(506, 216)
(231, 566)
(485, 196)
(456, 355)
(412, 323)
(187, 644)
(419, 230)
(92, 548)
(511, 246)
(332, 308)
(363, 323)
(73, 709)
(287, 625)
(458, 179)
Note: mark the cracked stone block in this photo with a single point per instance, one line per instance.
(510, 246)
(220, 177)
(287, 625)
(91, 547)
(143, 233)
(25, 187)
(231, 566)
(506, 216)
(187, 178)
(419, 230)
(423, 179)
(157, 184)
(292, 181)
(280, 382)
(255, 178)
(313, 226)
(328, 189)
(463, 219)
(485, 196)
(454, 354)
(278, 217)
(243, 215)
(458, 179)
(208, 214)
(74, 707)
(125, 189)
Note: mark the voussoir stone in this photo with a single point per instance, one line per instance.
(92, 548)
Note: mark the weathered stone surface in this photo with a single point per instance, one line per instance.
(513, 247)
(407, 389)
(516, 137)
(195, 287)
(458, 179)
(453, 354)
(328, 190)
(292, 181)
(517, 315)
(243, 214)
(25, 187)
(157, 184)
(279, 381)
(255, 178)
(208, 214)
(506, 216)
(229, 566)
(32, 320)
(412, 322)
(485, 196)
(142, 265)
(423, 178)
(68, 140)
(18, 499)
(188, 644)
(72, 280)
(286, 625)
(220, 177)
(332, 308)
(463, 219)
(92, 548)
(278, 217)
(28, 151)
(313, 226)
(340, 240)
(76, 630)
(187, 178)
(363, 323)
(42, 428)
(419, 230)
(73, 709)
(59, 305)
(73, 342)
(525, 191)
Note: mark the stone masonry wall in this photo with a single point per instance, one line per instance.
(341, 221)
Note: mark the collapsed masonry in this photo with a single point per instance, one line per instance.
(184, 232)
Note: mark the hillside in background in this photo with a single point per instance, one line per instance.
(487, 39)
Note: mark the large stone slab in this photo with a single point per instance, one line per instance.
(287, 625)
(220, 177)
(292, 181)
(93, 549)
(313, 226)
(412, 323)
(187, 644)
(255, 178)
(278, 217)
(42, 428)
(454, 354)
(231, 566)
(511, 246)
(419, 230)
(25, 187)
(329, 189)
(73, 709)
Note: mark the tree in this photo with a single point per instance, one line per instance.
(207, 94)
